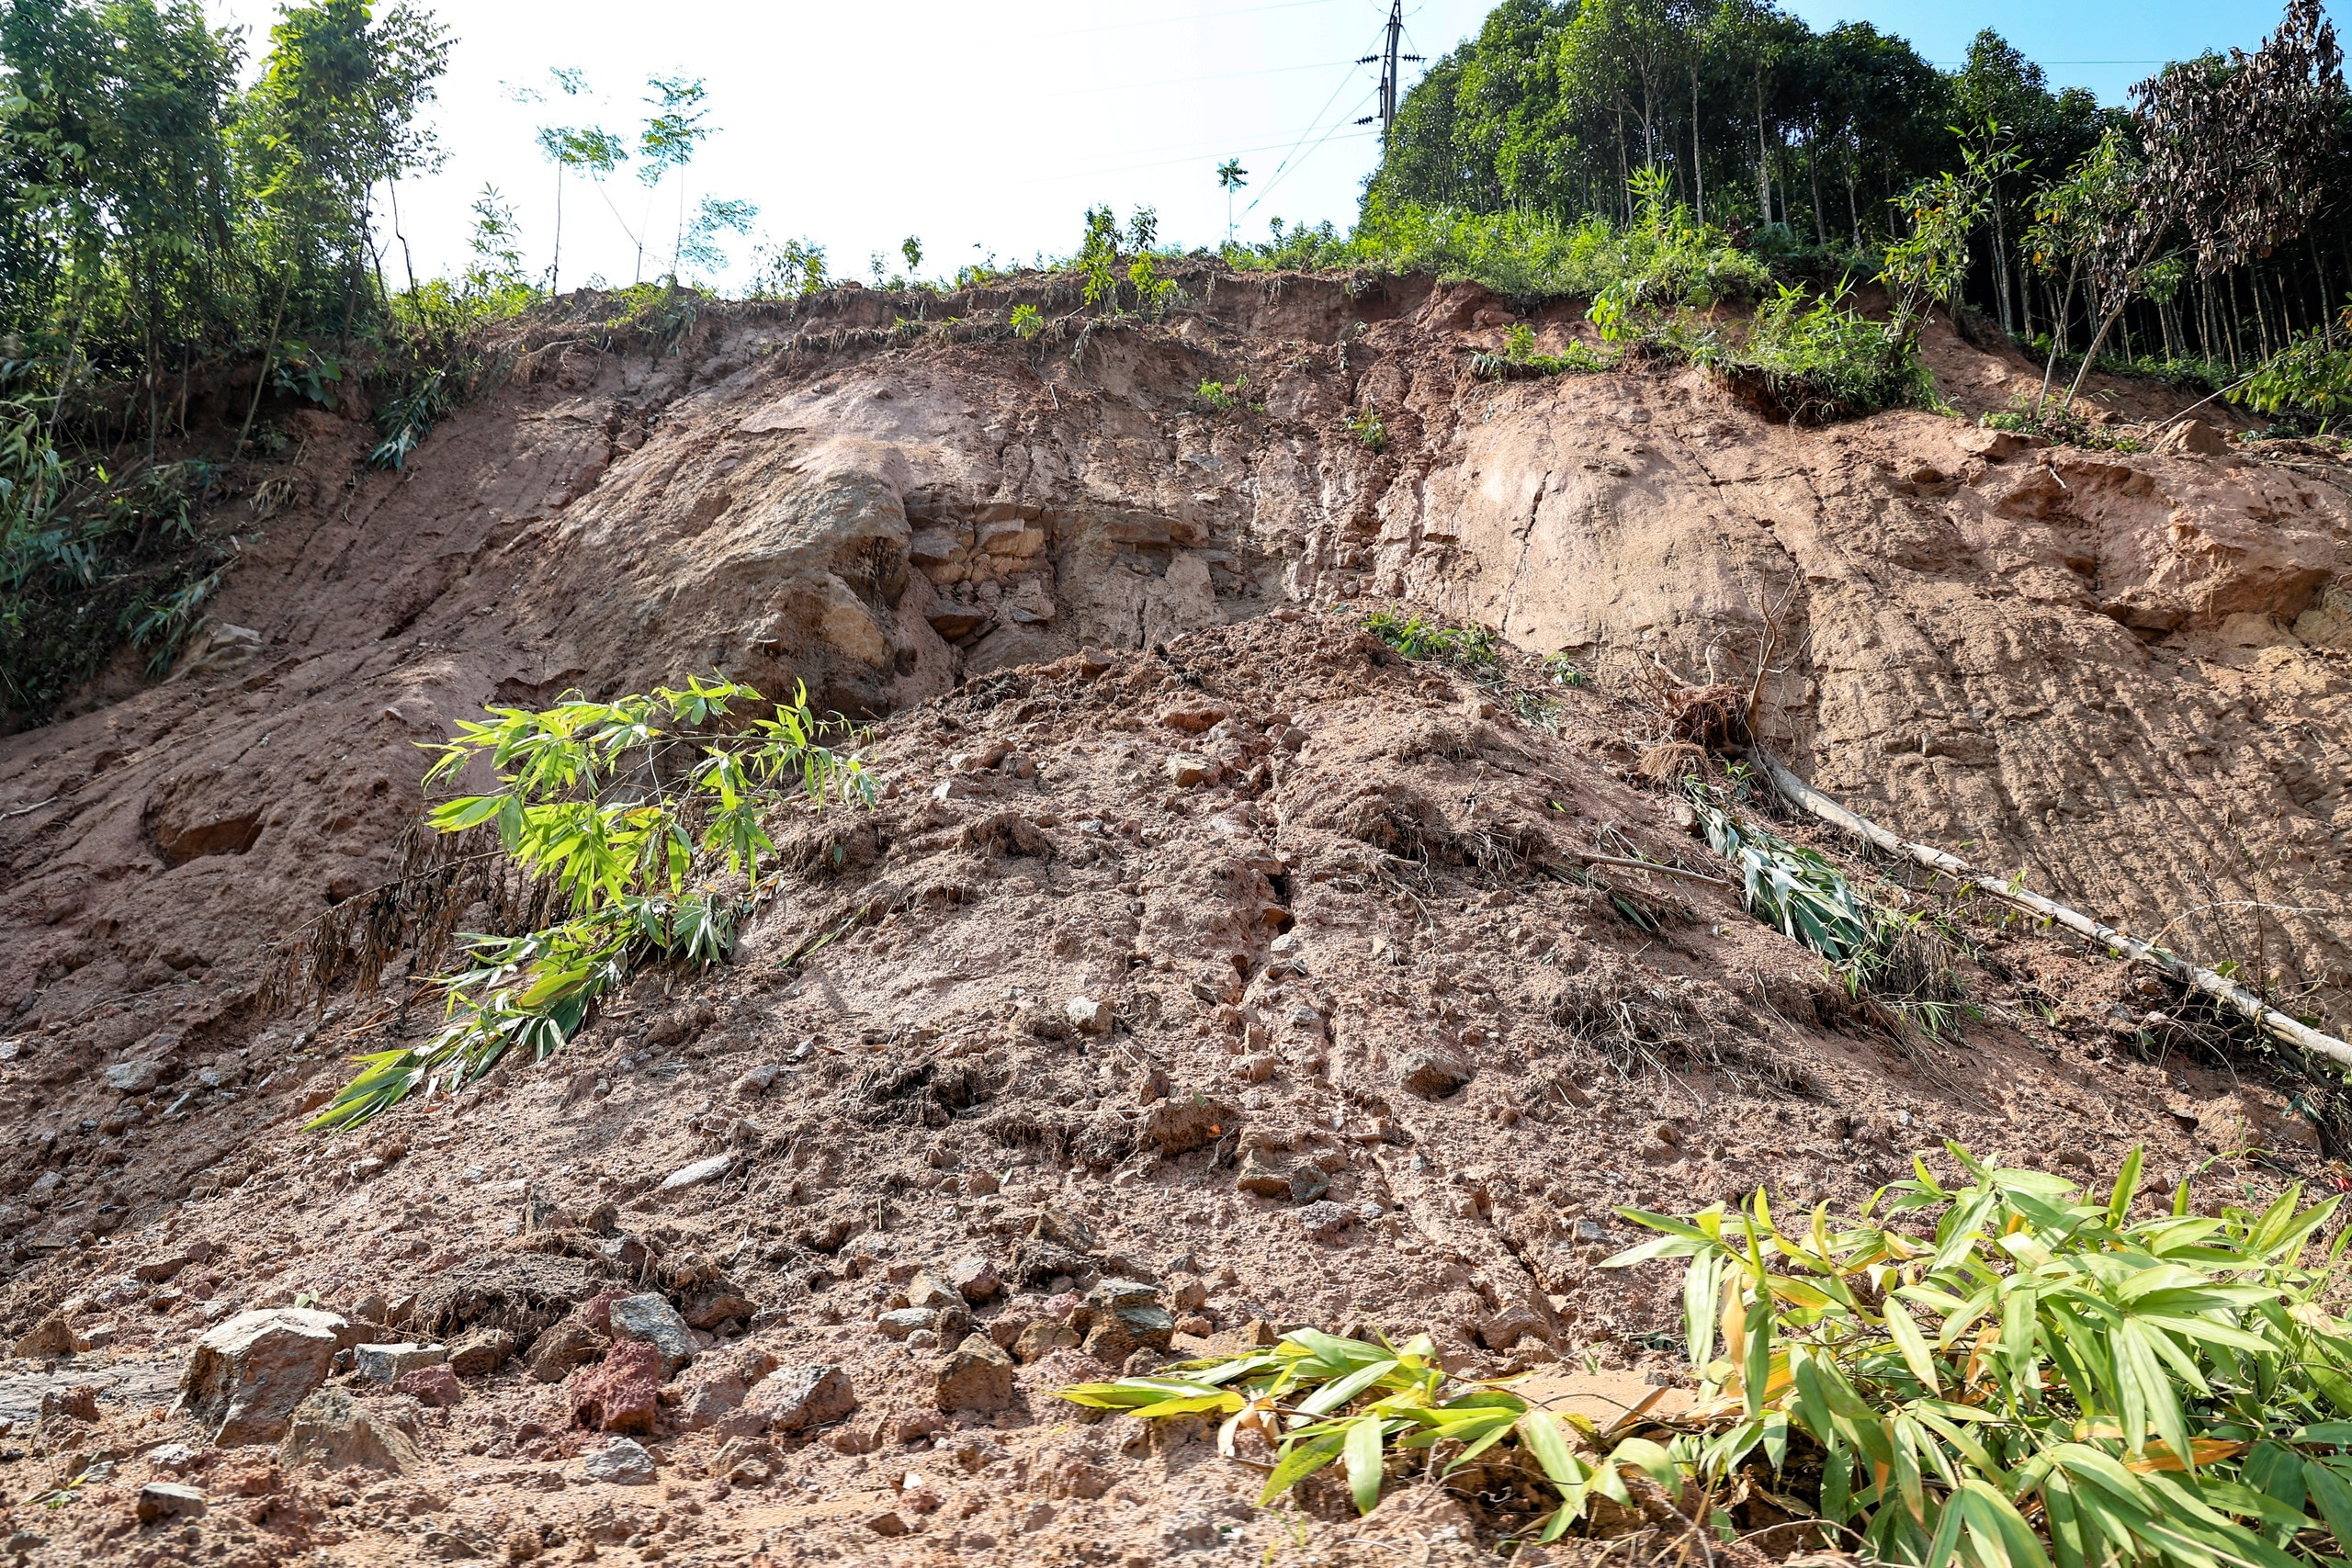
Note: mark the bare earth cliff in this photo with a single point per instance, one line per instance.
(1366, 1050)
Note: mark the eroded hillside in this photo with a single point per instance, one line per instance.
(1379, 1050)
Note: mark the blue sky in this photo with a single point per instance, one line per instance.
(989, 130)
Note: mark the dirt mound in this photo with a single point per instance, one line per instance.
(1388, 1041)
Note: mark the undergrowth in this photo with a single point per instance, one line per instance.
(643, 819)
(2004, 1371)
(1472, 648)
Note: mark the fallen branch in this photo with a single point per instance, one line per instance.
(2229, 993)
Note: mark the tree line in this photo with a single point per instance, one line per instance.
(1810, 145)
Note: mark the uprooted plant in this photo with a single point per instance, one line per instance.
(1897, 965)
(644, 818)
(2003, 1371)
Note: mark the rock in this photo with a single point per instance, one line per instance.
(2196, 438)
(434, 1387)
(976, 1375)
(623, 1393)
(132, 1077)
(1261, 1178)
(702, 1170)
(1193, 717)
(1042, 1338)
(887, 1523)
(156, 1269)
(249, 1372)
(793, 1399)
(1326, 1221)
(168, 1500)
(708, 1309)
(1433, 1074)
(78, 1401)
(1034, 1262)
(927, 1289)
(1188, 772)
(1121, 1330)
(171, 1457)
(1255, 1335)
(707, 1397)
(975, 1279)
(1308, 1184)
(1115, 1291)
(758, 1081)
(481, 1353)
(1514, 1322)
(1061, 1228)
(370, 1308)
(569, 1344)
(905, 1321)
(1086, 1015)
(50, 1338)
(333, 1430)
(652, 1319)
(388, 1363)
(619, 1463)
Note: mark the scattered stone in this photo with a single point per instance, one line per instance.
(171, 1457)
(905, 1321)
(793, 1399)
(168, 1500)
(1188, 772)
(1088, 1016)
(132, 1077)
(370, 1308)
(707, 1397)
(927, 1289)
(436, 1387)
(157, 1269)
(1062, 1228)
(1261, 1178)
(1042, 1338)
(335, 1431)
(702, 1170)
(388, 1363)
(651, 1318)
(622, 1394)
(1183, 1122)
(976, 1375)
(1515, 1320)
(887, 1523)
(2196, 438)
(51, 1338)
(1255, 1335)
(569, 1344)
(975, 1279)
(78, 1401)
(1433, 1074)
(622, 1463)
(758, 1081)
(708, 1309)
(250, 1371)
(481, 1353)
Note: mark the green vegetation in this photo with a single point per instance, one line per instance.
(1219, 397)
(1519, 361)
(2001, 1369)
(644, 818)
(1472, 648)
(1367, 428)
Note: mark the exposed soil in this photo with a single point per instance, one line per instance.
(1380, 1054)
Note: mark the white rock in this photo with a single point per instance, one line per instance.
(1089, 1015)
(621, 1463)
(702, 1170)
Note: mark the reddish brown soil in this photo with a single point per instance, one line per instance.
(1010, 546)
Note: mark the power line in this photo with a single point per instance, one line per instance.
(1196, 17)
(1289, 166)
(1186, 81)
(1203, 150)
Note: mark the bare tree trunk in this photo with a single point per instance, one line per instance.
(1697, 168)
(262, 382)
(2057, 337)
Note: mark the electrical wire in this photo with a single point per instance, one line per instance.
(1290, 165)
(1196, 17)
(1186, 81)
(1203, 152)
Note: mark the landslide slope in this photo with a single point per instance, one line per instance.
(2124, 674)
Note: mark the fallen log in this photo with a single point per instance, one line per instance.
(2222, 989)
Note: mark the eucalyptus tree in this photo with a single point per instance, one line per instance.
(666, 145)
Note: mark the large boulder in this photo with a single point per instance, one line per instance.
(250, 1371)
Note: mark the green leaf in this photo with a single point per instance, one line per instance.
(1912, 1344)
(1362, 1450)
(1300, 1459)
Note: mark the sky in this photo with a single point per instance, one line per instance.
(987, 131)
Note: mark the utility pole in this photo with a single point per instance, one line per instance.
(1388, 59)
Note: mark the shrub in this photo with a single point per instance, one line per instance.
(1026, 321)
(1467, 647)
(1519, 360)
(1366, 427)
(2004, 1371)
(1220, 397)
(626, 812)
(1816, 357)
